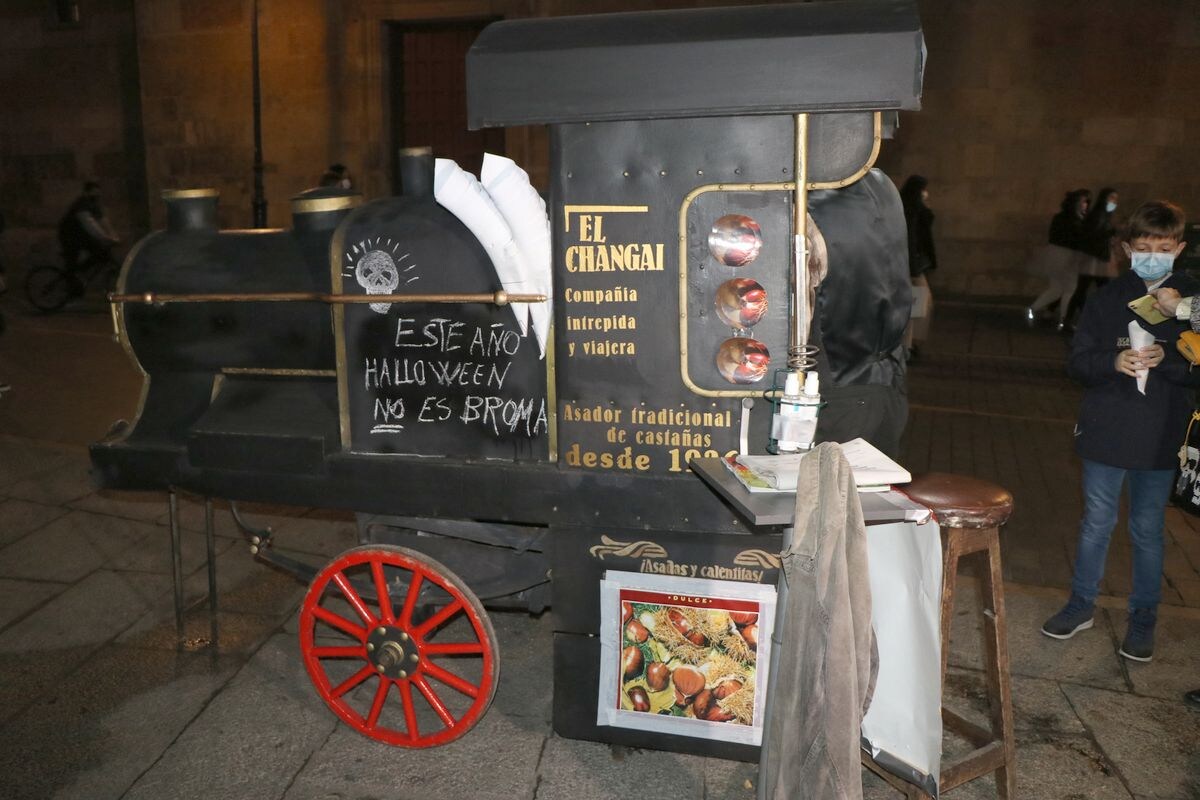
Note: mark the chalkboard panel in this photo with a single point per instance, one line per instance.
(432, 379)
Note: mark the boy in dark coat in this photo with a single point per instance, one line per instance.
(1125, 433)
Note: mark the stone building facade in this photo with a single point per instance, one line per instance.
(1023, 100)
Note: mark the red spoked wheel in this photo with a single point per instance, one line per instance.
(383, 623)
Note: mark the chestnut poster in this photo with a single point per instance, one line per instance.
(684, 655)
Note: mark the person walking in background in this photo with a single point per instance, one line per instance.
(1059, 261)
(83, 230)
(922, 257)
(1134, 413)
(1098, 264)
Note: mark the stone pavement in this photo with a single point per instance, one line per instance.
(97, 702)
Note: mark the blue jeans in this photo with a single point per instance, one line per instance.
(1149, 490)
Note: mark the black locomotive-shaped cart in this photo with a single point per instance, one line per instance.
(365, 359)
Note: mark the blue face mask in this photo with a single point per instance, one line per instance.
(1151, 266)
(1110, 207)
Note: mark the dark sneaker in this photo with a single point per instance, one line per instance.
(1077, 615)
(1139, 636)
(1192, 699)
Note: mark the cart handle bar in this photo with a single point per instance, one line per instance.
(500, 298)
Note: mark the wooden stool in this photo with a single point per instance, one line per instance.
(970, 513)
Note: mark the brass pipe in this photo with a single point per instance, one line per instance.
(500, 298)
(798, 343)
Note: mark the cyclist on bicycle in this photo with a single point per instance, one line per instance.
(83, 231)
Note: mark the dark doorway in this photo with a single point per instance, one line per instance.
(429, 92)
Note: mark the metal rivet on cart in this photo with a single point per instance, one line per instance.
(403, 636)
(403, 674)
(413, 658)
(380, 667)
(381, 630)
(370, 647)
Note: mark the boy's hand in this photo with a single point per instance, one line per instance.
(1130, 361)
(1166, 301)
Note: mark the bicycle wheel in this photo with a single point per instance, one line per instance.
(48, 288)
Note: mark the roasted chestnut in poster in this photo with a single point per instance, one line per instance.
(679, 622)
(637, 695)
(636, 632)
(750, 634)
(687, 681)
(631, 662)
(741, 618)
(714, 713)
(657, 676)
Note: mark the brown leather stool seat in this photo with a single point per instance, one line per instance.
(970, 512)
(961, 502)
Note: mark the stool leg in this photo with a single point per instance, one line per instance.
(951, 550)
(996, 659)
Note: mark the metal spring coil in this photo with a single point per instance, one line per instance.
(803, 357)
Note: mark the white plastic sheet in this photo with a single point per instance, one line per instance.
(462, 195)
(525, 212)
(905, 717)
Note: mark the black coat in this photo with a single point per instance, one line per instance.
(922, 256)
(864, 303)
(1066, 230)
(1118, 425)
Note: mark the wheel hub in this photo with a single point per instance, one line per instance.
(393, 652)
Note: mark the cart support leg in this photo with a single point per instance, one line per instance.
(210, 542)
(763, 792)
(176, 564)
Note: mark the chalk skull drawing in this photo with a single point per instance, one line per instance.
(377, 274)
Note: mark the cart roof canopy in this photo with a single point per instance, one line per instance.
(789, 58)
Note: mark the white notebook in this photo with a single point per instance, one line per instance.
(873, 471)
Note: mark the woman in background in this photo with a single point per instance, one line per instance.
(922, 257)
(1059, 262)
(1098, 265)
